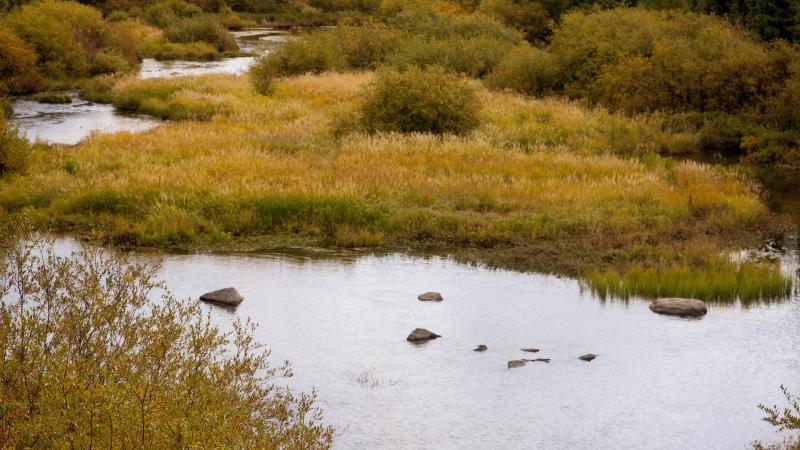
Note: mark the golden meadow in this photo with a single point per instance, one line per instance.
(542, 184)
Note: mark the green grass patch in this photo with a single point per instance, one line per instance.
(718, 281)
(53, 98)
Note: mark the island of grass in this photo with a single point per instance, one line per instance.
(537, 184)
(53, 98)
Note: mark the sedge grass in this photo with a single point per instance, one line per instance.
(539, 185)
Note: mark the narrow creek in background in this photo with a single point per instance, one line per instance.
(73, 122)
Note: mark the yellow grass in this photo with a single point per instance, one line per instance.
(537, 186)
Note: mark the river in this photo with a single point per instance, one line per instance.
(73, 122)
(341, 318)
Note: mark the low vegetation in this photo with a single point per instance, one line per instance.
(89, 358)
(15, 152)
(419, 101)
(53, 98)
(18, 64)
(539, 184)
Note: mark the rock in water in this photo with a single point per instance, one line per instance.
(587, 357)
(421, 335)
(227, 296)
(530, 350)
(516, 363)
(481, 348)
(545, 360)
(679, 307)
(430, 297)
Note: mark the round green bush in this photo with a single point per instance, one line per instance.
(262, 76)
(526, 69)
(416, 100)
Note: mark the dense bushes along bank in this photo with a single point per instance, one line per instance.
(717, 79)
(52, 43)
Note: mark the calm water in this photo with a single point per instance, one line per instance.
(71, 123)
(659, 382)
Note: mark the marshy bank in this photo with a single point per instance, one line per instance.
(544, 185)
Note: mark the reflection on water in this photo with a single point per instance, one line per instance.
(71, 123)
(659, 382)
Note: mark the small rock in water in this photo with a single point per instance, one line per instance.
(587, 357)
(545, 360)
(516, 363)
(481, 348)
(227, 296)
(530, 350)
(430, 297)
(679, 307)
(421, 335)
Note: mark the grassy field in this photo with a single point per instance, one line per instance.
(547, 185)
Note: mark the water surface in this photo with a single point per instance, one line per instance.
(71, 123)
(659, 382)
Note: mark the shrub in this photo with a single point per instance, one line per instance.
(118, 16)
(74, 40)
(92, 357)
(18, 72)
(193, 51)
(526, 69)
(782, 109)
(529, 17)
(53, 98)
(639, 60)
(427, 101)
(460, 44)
(98, 89)
(163, 14)
(432, 24)
(109, 61)
(262, 76)
(201, 30)
(474, 57)
(14, 151)
(63, 34)
(308, 54)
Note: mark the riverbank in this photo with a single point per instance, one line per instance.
(543, 185)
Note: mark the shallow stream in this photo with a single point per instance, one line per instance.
(71, 123)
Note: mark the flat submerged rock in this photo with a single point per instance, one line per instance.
(686, 307)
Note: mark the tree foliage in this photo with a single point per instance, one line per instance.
(95, 353)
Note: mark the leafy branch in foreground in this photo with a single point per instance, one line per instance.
(95, 353)
(785, 419)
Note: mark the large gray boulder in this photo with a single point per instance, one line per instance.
(227, 296)
(679, 307)
(430, 297)
(421, 335)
